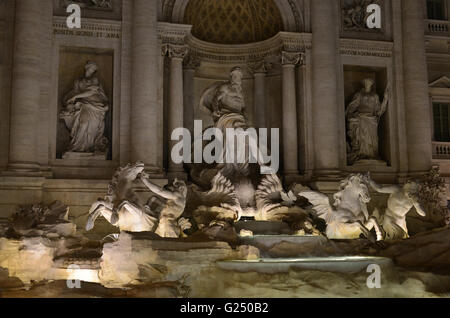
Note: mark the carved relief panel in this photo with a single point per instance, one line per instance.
(355, 15)
(100, 9)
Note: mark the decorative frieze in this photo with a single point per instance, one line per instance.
(249, 53)
(89, 28)
(366, 48)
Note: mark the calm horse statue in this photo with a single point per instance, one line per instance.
(348, 217)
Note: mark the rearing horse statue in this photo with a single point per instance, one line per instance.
(348, 217)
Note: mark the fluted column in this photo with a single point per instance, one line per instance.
(324, 87)
(145, 111)
(26, 83)
(289, 113)
(190, 66)
(418, 121)
(176, 55)
(259, 74)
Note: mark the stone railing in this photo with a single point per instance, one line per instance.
(441, 150)
(437, 27)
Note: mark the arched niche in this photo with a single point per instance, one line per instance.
(291, 13)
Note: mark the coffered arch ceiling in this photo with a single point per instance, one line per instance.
(235, 21)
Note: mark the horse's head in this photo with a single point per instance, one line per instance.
(359, 185)
(353, 188)
(131, 171)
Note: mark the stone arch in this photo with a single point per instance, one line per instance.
(293, 19)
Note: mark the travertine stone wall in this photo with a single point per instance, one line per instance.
(418, 121)
(146, 113)
(29, 102)
(29, 35)
(324, 79)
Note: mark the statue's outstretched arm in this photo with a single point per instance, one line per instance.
(419, 208)
(381, 189)
(157, 190)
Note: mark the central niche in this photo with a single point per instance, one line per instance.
(232, 21)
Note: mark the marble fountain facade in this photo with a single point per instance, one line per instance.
(89, 193)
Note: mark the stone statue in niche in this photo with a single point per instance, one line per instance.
(84, 111)
(225, 103)
(400, 202)
(363, 117)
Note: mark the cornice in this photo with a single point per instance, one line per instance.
(249, 53)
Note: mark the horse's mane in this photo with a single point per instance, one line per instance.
(343, 186)
(112, 186)
(116, 183)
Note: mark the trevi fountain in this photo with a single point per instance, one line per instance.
(343, 200)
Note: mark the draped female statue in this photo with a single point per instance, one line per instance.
(85, 107)
(363, 117)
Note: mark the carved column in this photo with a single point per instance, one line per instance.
(190, 66)
(259, 70)
(324, 88)
(26, 83)
(176, 55)
(145, 110)
(418, 121)
(290, 132)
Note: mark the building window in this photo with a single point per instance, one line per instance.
(441, 122)
(436, 9)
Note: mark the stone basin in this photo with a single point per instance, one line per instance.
(342, 264)
(267, 241)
